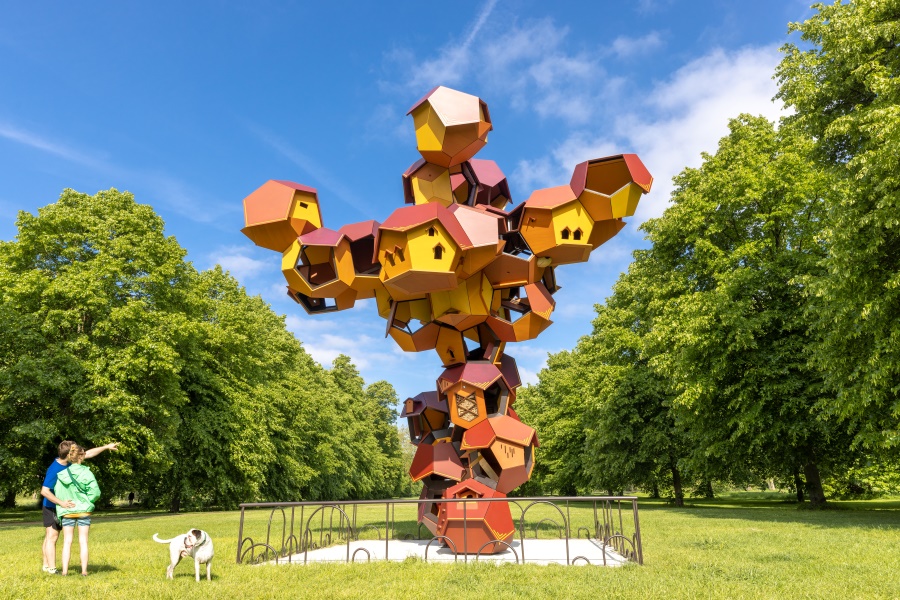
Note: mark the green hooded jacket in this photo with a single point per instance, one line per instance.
(76, 483)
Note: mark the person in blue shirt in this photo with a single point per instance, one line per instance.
(51, 523)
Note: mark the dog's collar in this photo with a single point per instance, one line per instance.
(203, 539)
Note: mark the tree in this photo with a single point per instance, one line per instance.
(554, 407)
(845, 91)
(107, 333)
(742, 236)
(92, 315)
(634, 435)
(383, 399)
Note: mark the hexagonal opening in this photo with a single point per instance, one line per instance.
(515, 244)
(363, 253)
(314, 305)
(514, 305)
(486, 466)
(496, 398)
(316, 265)
(549, 280)
(405, 326)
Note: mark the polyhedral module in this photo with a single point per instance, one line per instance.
(457, 273)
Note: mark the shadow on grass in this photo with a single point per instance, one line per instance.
(104, 568)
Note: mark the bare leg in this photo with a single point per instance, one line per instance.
(68, 534)
(49, 547)
(83, 532)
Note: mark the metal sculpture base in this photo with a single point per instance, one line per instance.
(539, 552)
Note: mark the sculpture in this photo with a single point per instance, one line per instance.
(456, 273)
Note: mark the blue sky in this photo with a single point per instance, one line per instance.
(191, 106)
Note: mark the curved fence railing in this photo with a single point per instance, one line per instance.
(291, 530)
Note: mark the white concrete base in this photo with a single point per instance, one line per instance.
(540, 552)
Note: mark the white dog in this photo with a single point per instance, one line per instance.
(195, 544)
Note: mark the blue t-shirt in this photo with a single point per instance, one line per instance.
(50, 479)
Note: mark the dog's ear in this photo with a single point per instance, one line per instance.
(196, 533)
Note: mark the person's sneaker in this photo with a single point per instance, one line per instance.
(52, 571)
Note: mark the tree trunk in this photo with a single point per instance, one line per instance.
(175, 506)
(654, 491)
(814, 485)
(706, 489)
(676, 484)
(798, 485)
(9, 499)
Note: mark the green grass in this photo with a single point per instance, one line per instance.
(738, 546)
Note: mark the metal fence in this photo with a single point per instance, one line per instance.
(293, 529)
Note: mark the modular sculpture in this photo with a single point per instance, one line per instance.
(457, 273)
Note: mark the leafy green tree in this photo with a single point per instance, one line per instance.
(554, 407)
(742, 235)
(383, 399)
(93, 297)
(845, 91)
(108, 334)
(633, 433)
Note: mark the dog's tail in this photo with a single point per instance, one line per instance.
(156, 538)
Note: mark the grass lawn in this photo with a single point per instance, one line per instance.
(737, 546)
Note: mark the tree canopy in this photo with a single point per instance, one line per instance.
(845, 91)
(108, 334)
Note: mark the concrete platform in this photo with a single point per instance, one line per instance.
(540, 552)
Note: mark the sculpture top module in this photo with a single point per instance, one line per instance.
(457, 273)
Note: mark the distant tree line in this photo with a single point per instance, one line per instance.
(759, 336)
(108, 334)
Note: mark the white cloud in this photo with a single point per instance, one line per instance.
(627, 47)
(525, 64)
(236, 261)
(527, 376)
(681, 117)
(453, 61)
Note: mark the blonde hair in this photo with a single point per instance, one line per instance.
(76, 453)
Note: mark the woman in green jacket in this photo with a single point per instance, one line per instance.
(78, 484)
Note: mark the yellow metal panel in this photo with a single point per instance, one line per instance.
(450, 346)
(403, 339)
(383, 302)
(427, 140)
(597, 205)
(573, 217)
(420, 310)
(288, 261)
(420, 115)
(625, 201)
(366, 285)
(343, 262)
(391, 265)
(305, 208)
(537, 229)
(318, 254)
(476, 259)
(422, 242)
(431, 183)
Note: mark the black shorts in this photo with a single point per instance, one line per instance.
(50, 519)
